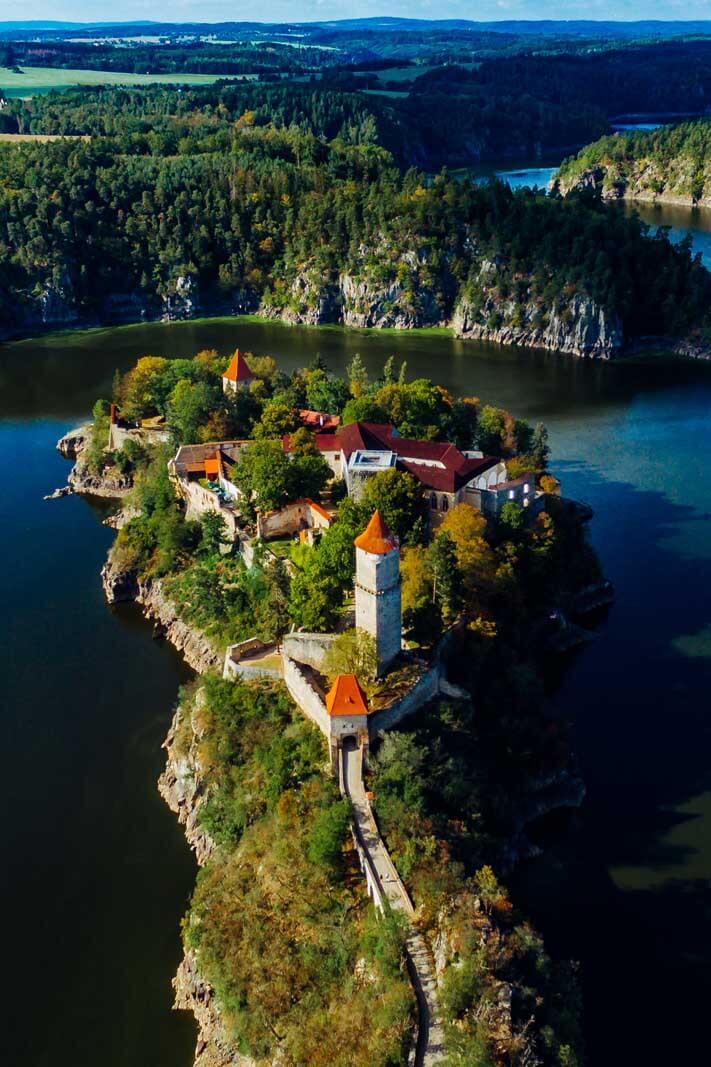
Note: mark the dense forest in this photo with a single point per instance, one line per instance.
(242, 198)
(672, 163)
(457, 96)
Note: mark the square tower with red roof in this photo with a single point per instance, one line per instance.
(238, 375)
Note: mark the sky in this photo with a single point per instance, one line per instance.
(319, 10)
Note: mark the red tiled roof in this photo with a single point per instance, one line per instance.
(318, 509)
(319, 420)
(517, 481)
(456, 469)
(325, 442)
(376, 537)
(345, 697)
(238, 370)
(446, 479)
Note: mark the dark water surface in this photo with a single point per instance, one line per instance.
(95, 870)
(99, 874)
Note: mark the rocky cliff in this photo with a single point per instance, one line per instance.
(181, 786)
(646, 180)
(108, 482)
(399, 296)
(124, 586)
(577, 326)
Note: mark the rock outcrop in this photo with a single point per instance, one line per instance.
(183, 300)
(195, 995)
(181, 786)
(74, 442)
(645, 180)
(108, 482)
(579, 328)
(123, 586)
(362, 299)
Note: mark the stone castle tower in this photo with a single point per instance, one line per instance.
(377, 589)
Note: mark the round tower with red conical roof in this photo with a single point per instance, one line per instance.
(377, 589)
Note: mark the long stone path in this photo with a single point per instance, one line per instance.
(384, 883)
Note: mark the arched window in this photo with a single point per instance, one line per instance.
(433, 501)
(445, 503)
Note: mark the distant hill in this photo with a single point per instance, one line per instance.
(644, 28)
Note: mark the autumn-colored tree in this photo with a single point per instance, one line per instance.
(421, 615)
(475, 558)
(550, 485)
(353, 652)
(140, 393)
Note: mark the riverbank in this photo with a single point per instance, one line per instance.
(583, 338)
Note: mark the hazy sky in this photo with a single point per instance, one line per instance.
(311, 10)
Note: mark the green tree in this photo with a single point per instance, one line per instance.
(363, 409)
(512, 518)
(189, 407)
(277, 419)
(399, 498)
(353, 652)
(214, 532)
(264, 476)
(540, 449)
(357, 376)
(446, 588)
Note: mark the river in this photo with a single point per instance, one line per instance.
(98, 873)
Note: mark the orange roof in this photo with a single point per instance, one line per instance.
(317, 508)
(376, 537)
(238, 370)
(345, 697)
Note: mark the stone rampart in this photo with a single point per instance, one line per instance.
(304, 694)
(308, 648)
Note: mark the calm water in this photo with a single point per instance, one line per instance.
(95, 872)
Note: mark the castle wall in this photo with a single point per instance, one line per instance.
(305, 695)
(308, 648)
(426, 689)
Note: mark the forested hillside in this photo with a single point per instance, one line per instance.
(450, 96)
(671, 163)
(189, 201)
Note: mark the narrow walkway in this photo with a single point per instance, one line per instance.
(384, 883)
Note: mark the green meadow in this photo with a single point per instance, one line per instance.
(33, 80)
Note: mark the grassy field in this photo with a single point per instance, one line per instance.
(21, 138)
(33, 80)
(408, 74)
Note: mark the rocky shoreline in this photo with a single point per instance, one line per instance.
(181, 787)
(633, 187)
(121, 587)
(577, 328)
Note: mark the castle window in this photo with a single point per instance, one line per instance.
(433, 501)
(445, 503)
(511, 494)
(526, 488)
